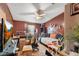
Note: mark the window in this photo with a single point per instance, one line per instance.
(31, 29)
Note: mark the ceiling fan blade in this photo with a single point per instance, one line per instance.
(26, 13)
(55, 6)
(36, 5)
(49, 8)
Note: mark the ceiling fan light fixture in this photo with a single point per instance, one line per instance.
(38, 17)
(42, 15)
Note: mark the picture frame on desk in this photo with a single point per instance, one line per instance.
(74, 9)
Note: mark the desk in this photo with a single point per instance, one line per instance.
(10, 48)
(56, 47)
(23, 42)
(46, 41)
(17, 38)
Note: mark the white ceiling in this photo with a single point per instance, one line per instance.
(18, 8)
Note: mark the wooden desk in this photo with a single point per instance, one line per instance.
(55, 49)
(15, 37)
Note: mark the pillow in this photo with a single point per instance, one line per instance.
(53, 35)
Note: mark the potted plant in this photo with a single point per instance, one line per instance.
(75, 38)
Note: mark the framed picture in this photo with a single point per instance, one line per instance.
(74, 8)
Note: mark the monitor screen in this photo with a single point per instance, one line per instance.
(7, 31)
(8, 26)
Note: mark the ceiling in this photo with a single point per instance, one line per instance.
(26, 11)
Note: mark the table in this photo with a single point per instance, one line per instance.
(27, 50)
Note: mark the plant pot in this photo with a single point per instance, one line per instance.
(76, 47)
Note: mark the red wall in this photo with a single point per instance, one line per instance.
(20, 26)
(57, 20)
(7, 14)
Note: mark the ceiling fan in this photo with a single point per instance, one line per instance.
(39, 13)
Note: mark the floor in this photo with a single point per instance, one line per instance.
(41, 48)
(40, 52)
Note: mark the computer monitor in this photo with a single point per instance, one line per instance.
(8, 31)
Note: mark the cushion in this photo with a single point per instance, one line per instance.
(53, 35)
